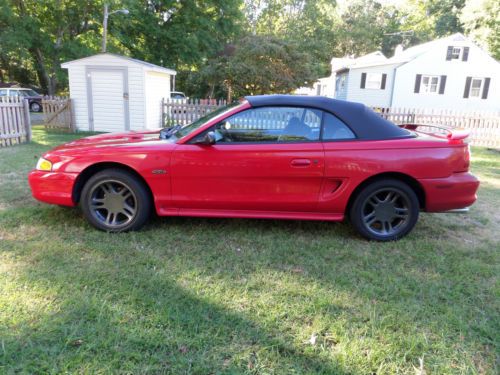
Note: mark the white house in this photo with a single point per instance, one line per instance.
(448, 73)
(327, 86)
(117, 93)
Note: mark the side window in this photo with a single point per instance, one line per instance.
(335, 129)
(3, 92)
(270, 125)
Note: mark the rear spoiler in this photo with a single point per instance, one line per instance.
(449, 133)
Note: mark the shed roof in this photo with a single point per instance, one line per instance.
(150, 66)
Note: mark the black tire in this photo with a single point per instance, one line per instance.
(385, 210)
(35, 107)
(114, 200)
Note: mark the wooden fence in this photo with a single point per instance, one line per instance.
(183, 112)
(484, 126)
(57, 113)
(15, 125)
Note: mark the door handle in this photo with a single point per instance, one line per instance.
(300, 162)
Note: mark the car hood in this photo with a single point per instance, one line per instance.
(111, 140)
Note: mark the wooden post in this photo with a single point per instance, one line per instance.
(27, 120)
(162, 113)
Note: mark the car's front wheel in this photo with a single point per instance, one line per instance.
(115, 200)
(385, 210)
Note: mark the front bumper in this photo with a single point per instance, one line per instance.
(454, 192)
(52, 187)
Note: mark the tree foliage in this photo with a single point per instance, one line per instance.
(481, 20)
(39, 35)
(244, 46)
(258, 65)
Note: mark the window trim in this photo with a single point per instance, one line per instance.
(423, 86)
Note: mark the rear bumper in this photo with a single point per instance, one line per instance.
(443, 194)
(52, 187)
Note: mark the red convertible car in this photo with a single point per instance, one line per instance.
(277, 156)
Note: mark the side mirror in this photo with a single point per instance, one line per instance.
(207, 140)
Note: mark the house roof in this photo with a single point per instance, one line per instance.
(405, 55)
(371, 58)
(130, 59)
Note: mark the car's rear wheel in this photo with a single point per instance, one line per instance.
(114, 200)
(385, 210)
(35, 107)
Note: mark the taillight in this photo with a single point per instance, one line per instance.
(464, 161)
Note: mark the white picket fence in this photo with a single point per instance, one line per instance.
(484, 126)
(15, 125)
(183, 112)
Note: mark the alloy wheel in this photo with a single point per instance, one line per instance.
(113, 203)
(386, 212)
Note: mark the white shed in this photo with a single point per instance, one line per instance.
(113, 93)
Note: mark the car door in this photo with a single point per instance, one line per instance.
(264, 159)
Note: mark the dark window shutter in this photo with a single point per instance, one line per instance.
(486, 87)
(449, 51)
(363, 80)
(442, 84)
(465, 54)
(384, 79)
(467, 87)
(417, 83)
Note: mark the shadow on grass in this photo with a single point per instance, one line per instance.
(148, 301)
(137, 321)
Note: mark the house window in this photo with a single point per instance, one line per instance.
(373, 81)
(456, 52)
(476, 87)
(430, 84)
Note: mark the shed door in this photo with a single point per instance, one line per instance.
(108, 98)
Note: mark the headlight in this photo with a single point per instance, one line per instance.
(44, 165)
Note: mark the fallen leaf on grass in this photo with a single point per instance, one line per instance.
(313, 339)
(76, 343)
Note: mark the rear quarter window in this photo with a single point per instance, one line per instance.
(335, 129)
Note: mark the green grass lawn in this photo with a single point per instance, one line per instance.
(213, 296)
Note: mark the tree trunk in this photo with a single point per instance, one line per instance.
(229, 93)
(47, 83)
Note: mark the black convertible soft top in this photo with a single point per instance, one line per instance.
(363, 121)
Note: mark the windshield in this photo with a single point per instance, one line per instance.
(188, 129)
(28, 93)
